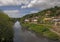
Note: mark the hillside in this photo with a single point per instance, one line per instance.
(50, 12)
(46, 22)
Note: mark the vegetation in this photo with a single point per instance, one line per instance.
(41, 30)
(6, 30)
(42, 27)
(14, 19)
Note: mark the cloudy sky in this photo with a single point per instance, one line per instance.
(19, 8)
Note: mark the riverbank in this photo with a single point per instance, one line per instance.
(42, 22)
(41, 30)
(24, 35)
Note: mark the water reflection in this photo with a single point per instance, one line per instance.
(27, 36)
(17, 25)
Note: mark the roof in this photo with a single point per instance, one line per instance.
(56, 20)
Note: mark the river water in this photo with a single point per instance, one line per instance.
(27, 36)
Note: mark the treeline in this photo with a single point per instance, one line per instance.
(14, 19)
(6, 30)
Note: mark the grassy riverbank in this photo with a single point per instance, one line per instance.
(41, 30)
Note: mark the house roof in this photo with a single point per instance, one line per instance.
(56, 20)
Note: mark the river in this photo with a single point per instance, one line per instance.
(27, 36)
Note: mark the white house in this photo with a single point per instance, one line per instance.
(26, 20)
(34, 21)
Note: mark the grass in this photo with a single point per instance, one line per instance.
(51, 35)
(42, 29)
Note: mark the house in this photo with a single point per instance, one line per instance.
(26, 20)
(47, 19)
(36, 17)
(56, 22)
(34, 21)
(52, 17)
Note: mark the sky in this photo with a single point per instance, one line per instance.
(19, 8)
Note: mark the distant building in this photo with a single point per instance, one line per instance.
(26, 20)
(36, 17)
(56, 22)
(46, 14)
(53, 17)
(47, 19)
(34, 21)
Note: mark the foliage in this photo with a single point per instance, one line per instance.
(6, 30)
(41, 30)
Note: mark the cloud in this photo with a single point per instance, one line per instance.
(10, 11)
(34, 11)
(31, 3)
(12, 2)
(13, 13)
(26, 6)
(42, 4)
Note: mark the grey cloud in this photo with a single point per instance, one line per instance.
(13, 2)
(42, 4)
(13, 13)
